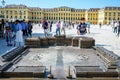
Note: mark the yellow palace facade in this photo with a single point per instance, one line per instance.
(35, 14)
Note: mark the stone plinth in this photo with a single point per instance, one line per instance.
(10, 55)
(26, 71)
(33, 42)
(86, 42)
(52, 41)
(75, 41)
(60, 40)
(94, 71)
(68, 41)
(43, 42)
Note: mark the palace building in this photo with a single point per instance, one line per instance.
(94, 15)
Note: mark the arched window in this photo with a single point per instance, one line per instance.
(118, 19)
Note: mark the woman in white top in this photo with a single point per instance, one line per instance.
(63, 25)
(19, 33)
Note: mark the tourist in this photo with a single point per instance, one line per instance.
(63, 25)
(26, 29)
(100, 25)
(23, 24)
(48, 29)
(3, 30)
(81, 28)
(69, 24)
(39, 24)
(115, 27)
(58, 25)
(118, 29)
(14, 29)
(8, 34)
(51, 23)
(11, 24)
(73, 24)
(88, 25)
(0, 30)
(45, 27)
(19, 33)
(29, 25)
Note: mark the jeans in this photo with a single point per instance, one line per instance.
(58, 31)
(8, 37)
(118, 33)
(50, 29)
(115, 29)
(63, 29)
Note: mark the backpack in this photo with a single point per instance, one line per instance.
(82, 27)
(45, 25)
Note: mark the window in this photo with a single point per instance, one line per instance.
(105, 18)
(105, 14)
(114, 18)
(118, 19)
(24, 17)
(109, 18)
(7, 16)
(15, 12)
(110, 14)
(2, 12)
(6, 12)
(15, 16)
(119, 14)
(20, 17)
(10, 12)
(114, 14)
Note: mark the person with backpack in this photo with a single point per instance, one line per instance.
(81, 28)
(51, 23)
(45, 27)
(115, 27)
(58, 25)
(29, 25)
(8, 34)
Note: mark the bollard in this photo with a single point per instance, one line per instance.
(69, 75)
(50, 76)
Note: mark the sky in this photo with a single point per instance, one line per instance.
(84, 4)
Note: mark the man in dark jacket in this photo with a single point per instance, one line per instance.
(45, 27)
(81, 28)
